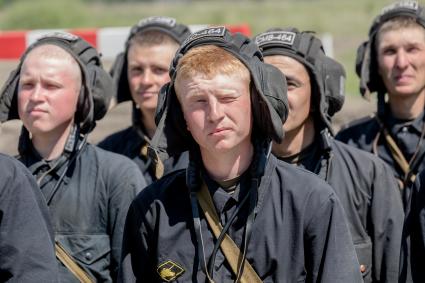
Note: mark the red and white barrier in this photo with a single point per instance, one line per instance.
(108, 41)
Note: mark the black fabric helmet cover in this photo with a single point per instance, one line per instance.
(169, 26)
(96, 90)
(328, 74)
(366, 60)
(172, 137)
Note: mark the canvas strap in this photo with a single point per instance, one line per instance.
(158, 166)
(72, 266)
(228, 246)
(398, 156)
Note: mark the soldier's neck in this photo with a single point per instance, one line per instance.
(223, 166)
(51, 145)
(407, 107)
(148, 120)
(295, 140)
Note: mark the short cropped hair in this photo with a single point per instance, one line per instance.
(52, 51)
(397, 23)
(209, 61)
(152, 38)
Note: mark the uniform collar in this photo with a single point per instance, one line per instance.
(35, 162)
(396, 125)
(220, 196)
(300, 157)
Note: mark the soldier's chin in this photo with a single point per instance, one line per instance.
(148, 105)
(405, 90)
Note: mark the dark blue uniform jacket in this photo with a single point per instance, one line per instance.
(413, 247)
(371, 200)
(300, 233)
(26, 239)
(89, 207)
(408, 135)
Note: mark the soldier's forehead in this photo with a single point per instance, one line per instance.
(51, 51)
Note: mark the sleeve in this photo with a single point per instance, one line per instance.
(330, 254)
(127, 182)
(413, 248)
(26, 245)
(136, 264)
(386, 222)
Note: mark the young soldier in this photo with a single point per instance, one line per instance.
(26, 241)
(235, 203)
(140, 72)
(59, 90)
(392, 63)
(364, 184)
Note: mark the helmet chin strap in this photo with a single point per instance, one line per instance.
(73, 147)
(381, 104)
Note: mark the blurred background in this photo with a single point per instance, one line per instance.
(346, 21)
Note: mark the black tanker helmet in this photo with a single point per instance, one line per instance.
(96, 89)
(327, 74)
(172, 137)
(169, 26)
(366, 61)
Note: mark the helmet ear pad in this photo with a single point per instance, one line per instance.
(94, 97)
(258, 109)
(334, 86)
(269, 107)
(9, 97)
(173, 134)
(367, 68)
(361, 52)
(82, 106)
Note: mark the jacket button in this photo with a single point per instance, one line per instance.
(88, 256)
(362, 268)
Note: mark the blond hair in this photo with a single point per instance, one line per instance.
(209, 61)
(152, 38)
(51, 51)
(397, 23)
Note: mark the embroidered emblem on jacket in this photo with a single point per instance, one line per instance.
(169, 270)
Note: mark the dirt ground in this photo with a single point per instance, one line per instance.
(119, 117)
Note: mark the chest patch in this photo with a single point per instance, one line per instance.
(169, 270)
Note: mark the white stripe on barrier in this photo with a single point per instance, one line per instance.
(33, 35)
(328, 44)
(110, 41)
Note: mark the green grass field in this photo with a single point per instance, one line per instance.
(348, 21)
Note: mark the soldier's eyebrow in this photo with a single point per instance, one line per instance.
(292, 79)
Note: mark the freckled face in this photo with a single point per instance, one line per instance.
(217, 111)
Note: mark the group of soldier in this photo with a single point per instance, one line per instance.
(230, 171)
